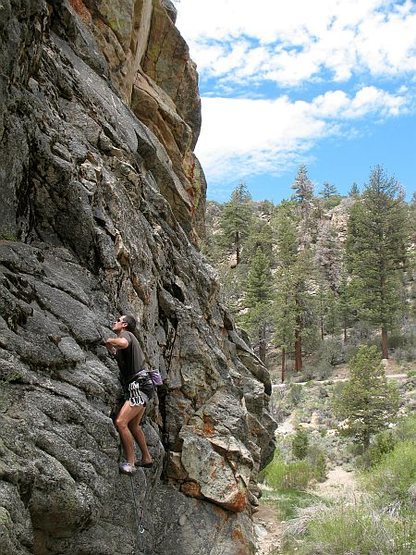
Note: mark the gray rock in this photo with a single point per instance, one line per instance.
(98, 219)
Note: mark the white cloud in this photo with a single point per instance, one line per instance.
(243, 137)
(297, 41)
(367, 101)
(354, 52)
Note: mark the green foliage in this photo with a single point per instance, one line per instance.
(293, 303)
(391, 479)
(329, 258)
(285, 223)
(386, 441)
(377, 251)
(211, 246)
(235, 220)
(345, 529)
(381, 522)
(258, 287)
(287, 276)
(383, 444)
(404, 346)
(331, 202)
(328, 190)
(329, 353)
(302, 186)
(232, 280)
(317, 459)
(406, 428)
(259, 236)
(354, 191)
(294, 475)
(300, 443)
(295, 394)
(330, 196)
(258, 292)
(367, 403)
(290, 501)
(7, 235)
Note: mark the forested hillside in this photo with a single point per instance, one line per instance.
(316, 276)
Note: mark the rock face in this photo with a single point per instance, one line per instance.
(102, 206)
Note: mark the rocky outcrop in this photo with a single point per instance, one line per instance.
(101, 210)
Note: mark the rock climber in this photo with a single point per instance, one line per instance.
(138, 390)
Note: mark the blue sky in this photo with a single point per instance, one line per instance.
(326, 83)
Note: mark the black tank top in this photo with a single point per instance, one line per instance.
(130, 360)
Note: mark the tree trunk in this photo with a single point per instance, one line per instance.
(384, 343)
(298, 351)
(322, 329)
(262, 344)
(283, 368)
(366, 441)
(237, 247)
(345, 331)
(298, 340)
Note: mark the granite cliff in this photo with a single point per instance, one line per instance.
(101, 213)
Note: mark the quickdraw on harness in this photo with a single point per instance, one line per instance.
(135, 397)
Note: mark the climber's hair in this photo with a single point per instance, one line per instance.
(131, 322)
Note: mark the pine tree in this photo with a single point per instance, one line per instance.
(354, 191)
(376, 253)
(329, 190)
(259, 280)
(236, 219)
(284, 316)
(326, 308)
(302, 187)
(292, 301)
(368, 403)
(305, 207)
(260, 235)
(258, 294)
(329, 254)
(345, 307)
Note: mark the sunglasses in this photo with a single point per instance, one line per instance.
(119, 320)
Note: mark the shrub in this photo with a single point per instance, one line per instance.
(330, 352)
(341, 530)
(383, 443)
(323, 370)
(406, 428)
(397, 340)
(290, 501)
(317, 459)
(283, 476)
(392, 478)
(405, 354)
(404, 347)
(295, 395)
(300, 444)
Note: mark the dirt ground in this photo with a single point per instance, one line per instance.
(339, 484)
(268, 529)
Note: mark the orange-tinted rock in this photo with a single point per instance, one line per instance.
(191, 488)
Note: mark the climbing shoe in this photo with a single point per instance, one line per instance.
(144, 465)
(127, 468)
